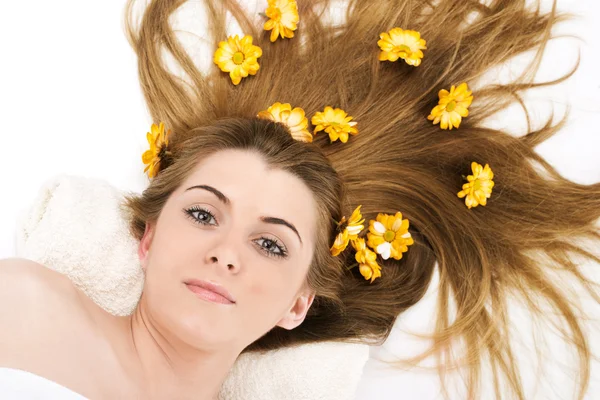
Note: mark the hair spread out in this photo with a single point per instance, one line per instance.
(522, 246)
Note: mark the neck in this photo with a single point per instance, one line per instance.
(166, 367)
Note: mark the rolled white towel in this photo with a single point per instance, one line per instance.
(76, 227)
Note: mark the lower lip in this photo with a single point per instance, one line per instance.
(208, 295)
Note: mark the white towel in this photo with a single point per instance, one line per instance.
(16, 384)
(76, 227)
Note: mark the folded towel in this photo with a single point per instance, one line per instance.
(76, 227)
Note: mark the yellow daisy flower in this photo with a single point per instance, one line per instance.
(348, 231)
(340, 243)
(389, 235)
(335, 122)
(238, 56)
(367, 260)
(283, 20)
(452, 106)
(479, 187)
(158, 141)
(295, 120)
(401, 43)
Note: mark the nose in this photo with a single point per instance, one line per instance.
(224, 255)
(230, 266)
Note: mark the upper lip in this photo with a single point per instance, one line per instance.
(213, 287)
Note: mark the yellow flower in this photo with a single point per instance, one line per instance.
(389, 235)
(158, 141)
(295, 120)
(348, 231)
(340, 243)
(400, 43)
(335, 122)
(367, 260)
(479, 187)
(238, 56)
(452, 106)
(283, 20)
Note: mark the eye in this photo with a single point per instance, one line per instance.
(272, 247)
(201, 216)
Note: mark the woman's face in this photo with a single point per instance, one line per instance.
(241, 225)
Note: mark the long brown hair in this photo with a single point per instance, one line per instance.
(532, 226)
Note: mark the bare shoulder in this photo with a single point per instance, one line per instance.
(37, 305)
(26, 283)
(50, 328)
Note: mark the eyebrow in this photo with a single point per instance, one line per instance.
(225, 200)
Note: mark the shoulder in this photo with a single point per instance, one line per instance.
(37, 306)
(22, 274)
(50, 328)
(30, 285)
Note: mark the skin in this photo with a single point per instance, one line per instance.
(175, 344)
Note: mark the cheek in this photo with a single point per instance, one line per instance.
(269, 290)
(177, 242)
(267, 300)
(272, 289)
(265, 286)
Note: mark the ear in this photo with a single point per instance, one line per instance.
(145, 243)
(297, 312)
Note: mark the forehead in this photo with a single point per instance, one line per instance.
(252, 185)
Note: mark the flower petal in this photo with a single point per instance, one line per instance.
(385, 250)
(379, 228)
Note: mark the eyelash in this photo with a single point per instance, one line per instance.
(196, 209)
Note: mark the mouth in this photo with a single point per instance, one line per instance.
(209, 291)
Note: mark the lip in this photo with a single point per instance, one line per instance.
(210, 291)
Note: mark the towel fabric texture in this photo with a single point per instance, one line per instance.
(76, 227)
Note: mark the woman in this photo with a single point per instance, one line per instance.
(239, 200)
(249, 219)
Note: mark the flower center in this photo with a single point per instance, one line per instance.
(162, 152)
(276, 14)
(388, 236)
(476, 184)
(402, 49)
(238, 58)
(342, 224)
(451, 106)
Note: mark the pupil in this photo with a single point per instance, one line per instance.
(270, 245)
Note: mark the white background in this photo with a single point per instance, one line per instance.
(70, 103)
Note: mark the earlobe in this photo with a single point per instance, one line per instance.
(295, 316)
